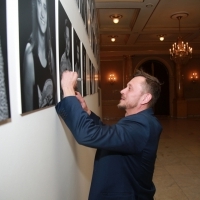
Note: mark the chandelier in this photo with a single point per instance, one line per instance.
(180, 51)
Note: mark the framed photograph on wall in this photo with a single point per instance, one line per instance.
(83, 10)
(77, 2)
(87, 74)
(91, 78)
(92, 11)
(77, 59)
(88, 27)
(65, 42)
(86, 16)
(4, 86)
(37, 54)
(84, 69)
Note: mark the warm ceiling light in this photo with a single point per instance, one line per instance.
(162, 37)
(115, 18)
(113, 37)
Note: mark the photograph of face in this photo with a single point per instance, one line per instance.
(4, 89)
(65, 41)
(37, 54)
(77, 60)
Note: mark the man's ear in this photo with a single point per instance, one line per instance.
(146, 98)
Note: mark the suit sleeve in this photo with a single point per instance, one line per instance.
(126, 136)
(96, 119)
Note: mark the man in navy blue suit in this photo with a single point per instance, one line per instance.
(126, 151)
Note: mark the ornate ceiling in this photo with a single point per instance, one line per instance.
(141, 24)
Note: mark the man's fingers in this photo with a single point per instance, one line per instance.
(79, 97)
(70, 72)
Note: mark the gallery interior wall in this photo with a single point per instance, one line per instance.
(39, 157)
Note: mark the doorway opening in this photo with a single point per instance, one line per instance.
(159, 70)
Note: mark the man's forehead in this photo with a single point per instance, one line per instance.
(137, 79)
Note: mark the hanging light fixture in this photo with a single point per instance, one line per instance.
(115, 18)
(180, 51)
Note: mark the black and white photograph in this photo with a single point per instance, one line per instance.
(91, 76)
(92, 12)
(93, 39)
(88, 27)
(65, 41)
(96, 43)
(84, 69)
(83, 4)
(86, 15)
(93, 79)
(37, 54)
(88, 82)
(4, 87)
(77, 2)
(88, 61)
(77, 60)
(96, 80)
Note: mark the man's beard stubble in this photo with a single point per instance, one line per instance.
(121, 106)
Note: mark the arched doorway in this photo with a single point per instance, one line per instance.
(158, 69)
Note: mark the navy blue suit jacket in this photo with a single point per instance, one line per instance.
(126, 151)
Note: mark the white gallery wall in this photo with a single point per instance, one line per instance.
(39, 158)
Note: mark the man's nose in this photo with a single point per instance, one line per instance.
(122, 91)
